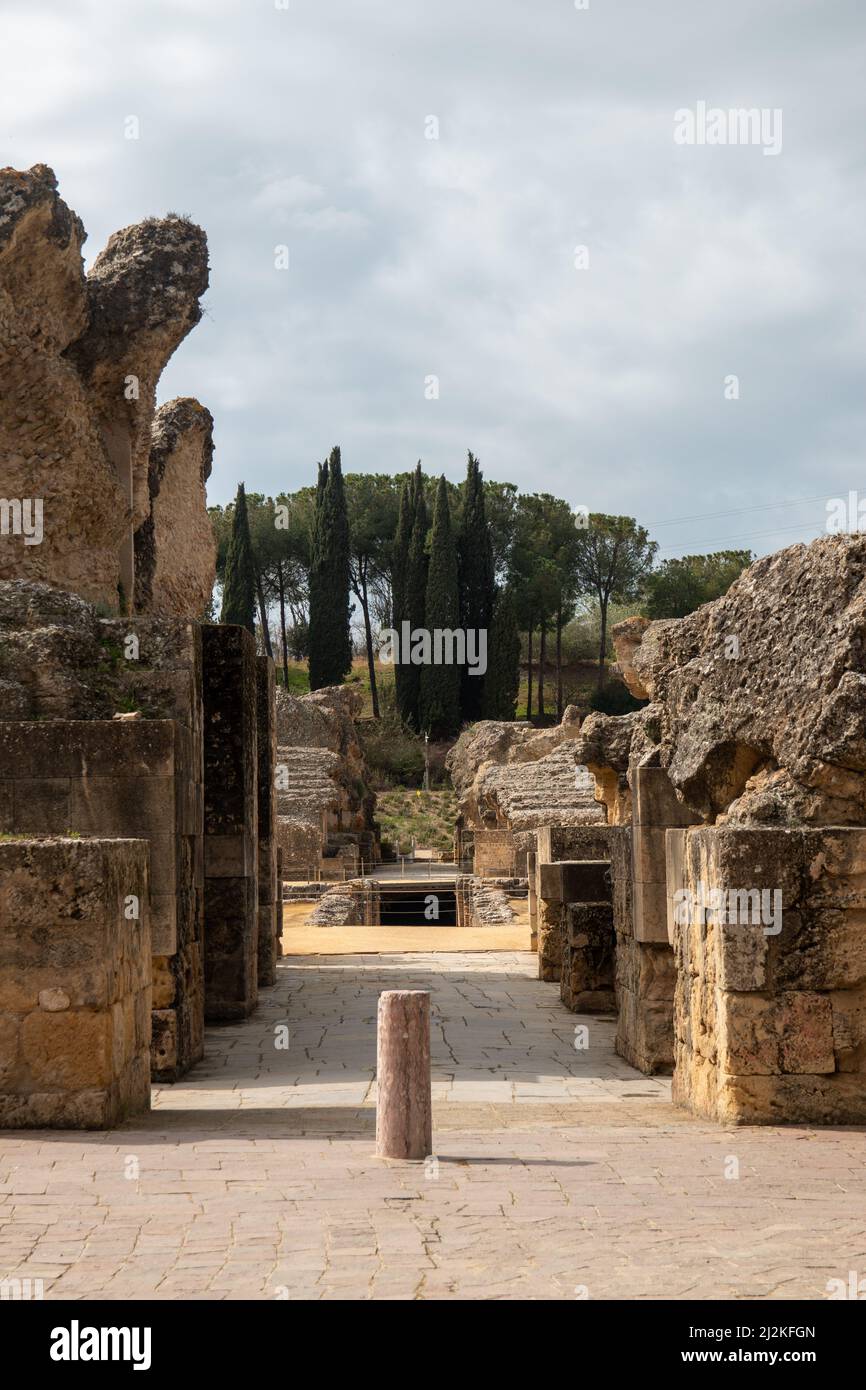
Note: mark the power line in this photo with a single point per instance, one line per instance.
(753, 536)
(738, 511)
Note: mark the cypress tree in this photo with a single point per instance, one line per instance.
(330, 641)
(399, 563)
(314, 626)
(502, 681)
(239, 584)
(477, 583)
(415, 596)
(439, 708)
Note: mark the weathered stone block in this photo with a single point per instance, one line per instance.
(769, 998)
(134, 778)
(587, 978)
(75, 982)
(493, 853)
(581, 881)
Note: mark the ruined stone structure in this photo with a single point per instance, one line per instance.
(741, 784)
(175, 551)
(483, 902)
(231, 838)
(75, 982)
(510, 777)
(325, 823)
(119, 726)
(80, 357)
(554, 888)
(770, 1007)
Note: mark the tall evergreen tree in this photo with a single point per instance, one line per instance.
(415, 597)
(439, 706)
(239, 584)
(330, 642)
(477, 585)
(316, 578)
(502, 682)
(399, 567)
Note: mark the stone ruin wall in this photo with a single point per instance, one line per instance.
(80, 358)
(744, 774)
(75, 983)
(107, 689)
(770, 1018)
(511, 779)
(325, 811)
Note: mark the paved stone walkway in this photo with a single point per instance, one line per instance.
(559, 1171)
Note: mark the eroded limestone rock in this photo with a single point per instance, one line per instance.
(322, 791)
(758, 709)
(627, 637)
(143, 294)
(512, 775)
(175, 550)
(53, 462)
(80, 359)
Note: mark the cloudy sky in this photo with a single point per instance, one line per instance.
(411, 257)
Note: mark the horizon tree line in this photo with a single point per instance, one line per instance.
(478, 556)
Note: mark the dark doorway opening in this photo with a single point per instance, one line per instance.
(431, 906)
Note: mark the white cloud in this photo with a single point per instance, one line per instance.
(455, 256)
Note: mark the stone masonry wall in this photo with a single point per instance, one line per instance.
(135, 779)
(770, 1006)
(494, 853)
(75, 983)
(80, 358)
(645, 974)
(230, 823)
(554, 844)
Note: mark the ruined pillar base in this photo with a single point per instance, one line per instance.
(75, 983)
(770, 1009)
(645, 975)
(231, 839)
(586, 982)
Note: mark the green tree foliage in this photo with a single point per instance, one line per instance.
(477, 586)
(415, 598)
(373, 507)
(680, 586)
(399, 576)
(614, 558)
(502, 681)
(543, 573)
(239, 584)
(329, 638)
(439, 703)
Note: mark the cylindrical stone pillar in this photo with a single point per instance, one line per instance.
(404, 1114)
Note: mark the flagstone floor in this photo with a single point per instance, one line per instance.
(559, 1172)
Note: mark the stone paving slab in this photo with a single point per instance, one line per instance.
(559, 1173)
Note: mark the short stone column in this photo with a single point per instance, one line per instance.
(404, 1108)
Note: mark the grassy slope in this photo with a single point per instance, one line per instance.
(428, 816)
